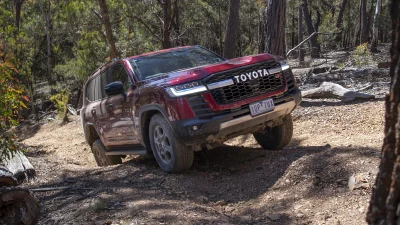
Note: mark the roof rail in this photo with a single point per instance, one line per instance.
(104, 64)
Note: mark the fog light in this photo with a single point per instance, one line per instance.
(195, 128)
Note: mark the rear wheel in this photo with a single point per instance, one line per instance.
(278, 137)
(99, 152)
(171, 154)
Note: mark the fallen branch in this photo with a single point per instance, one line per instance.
(49, 189)
(308, 38)
(332, 90)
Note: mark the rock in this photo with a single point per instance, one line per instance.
(247, 217)
(352, 182)
(202, 199)
(296, 207)
(229, 209)
(274, 217)
(220, 203)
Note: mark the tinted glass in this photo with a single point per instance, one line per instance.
(118, 73)
(165, 62)
(90, 90)
(97, 90)
(104, 81)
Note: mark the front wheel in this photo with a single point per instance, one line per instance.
(171, 154)
(278, 137)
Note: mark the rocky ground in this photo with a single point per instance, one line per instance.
(239, 183)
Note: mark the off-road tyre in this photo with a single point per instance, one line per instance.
(278, 137)
(99, 152)
(170, 153)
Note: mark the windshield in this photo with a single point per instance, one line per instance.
(165, 62)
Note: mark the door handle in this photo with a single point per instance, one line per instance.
(109, 106)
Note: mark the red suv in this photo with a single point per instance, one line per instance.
(174, 102)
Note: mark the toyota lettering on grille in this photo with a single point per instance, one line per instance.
(252, 76)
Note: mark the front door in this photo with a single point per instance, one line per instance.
(119, 109)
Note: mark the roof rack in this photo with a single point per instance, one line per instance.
(104, 64)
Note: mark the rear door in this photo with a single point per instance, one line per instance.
(118, 110)
(93, 96)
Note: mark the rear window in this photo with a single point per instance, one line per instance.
(95, 88)
(165, 62)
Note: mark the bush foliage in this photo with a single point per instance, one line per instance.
(11, 102)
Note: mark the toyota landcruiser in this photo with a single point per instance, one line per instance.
(173, 102)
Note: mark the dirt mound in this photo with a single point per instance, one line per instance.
(238, 183)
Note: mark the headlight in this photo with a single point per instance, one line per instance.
(284, 65)
(186, 89)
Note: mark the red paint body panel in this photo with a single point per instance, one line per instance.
(113, 125)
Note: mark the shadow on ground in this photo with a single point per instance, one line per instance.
(235, 177)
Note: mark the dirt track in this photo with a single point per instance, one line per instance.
(236, 184)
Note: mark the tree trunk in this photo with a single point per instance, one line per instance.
(166, 6)
(363, 22)
(177, 24)
(293, 38)
(385, 202)
(375, 31)
(300, 35)
(339, 20)
(232, 28)
(274, 23)
(107, 25)
(46, 18)
(315, 49)
(221, 44)
(18, 7)
(317, 20)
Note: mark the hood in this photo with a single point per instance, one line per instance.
(198, 73)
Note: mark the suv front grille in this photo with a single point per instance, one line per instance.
(248, 89)
(203, 111)
(289, 80)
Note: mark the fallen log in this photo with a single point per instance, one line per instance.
(18, 167)
(18, 206)
(6, 178)
(332, 90)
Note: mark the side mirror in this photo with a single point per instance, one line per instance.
(114, 88)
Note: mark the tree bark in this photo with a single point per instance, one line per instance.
(375, 31)
(232, 28)
(300, 35)
(177, 24)
(385, 202)
(363, 22)
(315, 48)
(166, 6)
(107, 25)
(18, 7)
(274, 23)
(339, 20)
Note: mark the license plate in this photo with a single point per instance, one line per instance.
(262, 107)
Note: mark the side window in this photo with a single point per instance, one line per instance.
(118, 73)
(90, 90)
(104, 81)
(97, 89)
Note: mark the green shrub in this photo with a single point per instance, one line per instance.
(10, 105)
(361, 55)
(60, 101)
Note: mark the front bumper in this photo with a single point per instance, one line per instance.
(221, 128)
